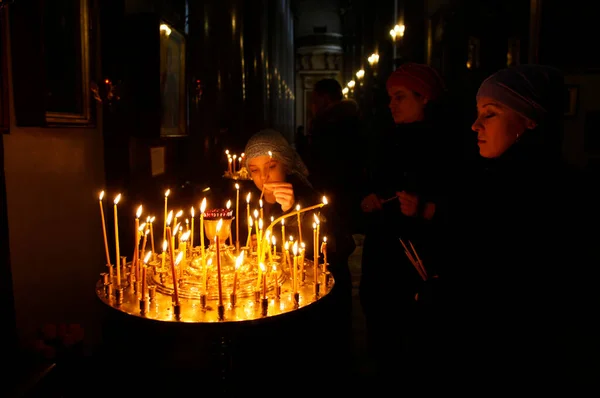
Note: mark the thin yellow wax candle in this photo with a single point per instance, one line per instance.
(260, 204)
(299, 223)
(192, 232)
(230, 168)
(283, 242)
(318, 222)
(286, 256)
(267, 244)
(151, 222)
(324, 251)
(144, 282)
(217, 244)
(237, 218)
(301, 259)
(295, 267)
(165, 219)
(164, 254)
(104, 232)
(249, 234)
(274, 277)
(238, 264)
(202, 208)
(145, 240)
(315, 254)
(273, 241)
(263, 271)
(187, 224)
(248, 213)
(173, 269)
(228, 205)
(136, 246)
(118, 252)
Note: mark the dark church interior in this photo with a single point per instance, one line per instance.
(138, 98)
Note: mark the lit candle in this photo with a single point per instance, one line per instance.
(192, 232)
(260, 204)
(187, 224)
(237, 218)
(164, 254)
(217, 244)
(165, 223)
(228, 205)
(136, 246)
(118, 252)
(240, 160)
(248, 216)
(145, 240)
(144, 282)
(202, 208)
(283, 242)
(299, 223)
(318, 222)
(324, 251)
(301, 256)
(183, 244)
(267, 244)
(259, 247)
(315, 254)
(274, 277)
(171, 254)
(263, 271)
(274, 245)
(104, 233)
(238, 264)
(151, 222)
(286, 256)
(295, 267)
(230, 168)
(250, 222)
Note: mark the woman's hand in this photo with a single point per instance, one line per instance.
(409, 203)
(283, 192)
(370, 203)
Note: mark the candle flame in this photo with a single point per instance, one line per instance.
(167, 192)
(228, 205)
(237, 186)
(147, 257)
(303, 245)
(314, 225)
(147, 232)
(219, 225)
(274, 269)
(282, 223)
(226, 151)
(286, 246)
(185, 236)
(270, 154)
(273, 240)
(203, 206)
(272, 218)
(165, 245)
(267, 234)
(148, 219)
(248, 198)
(101, 195)
(255, 213)
(192, 210)
(242, 155)
(138, 213)
(291, 238)
(152, 219)
(187, 221)
(230, 160)
(239, 261)
(251, 221)
(325, 200)
(141, 228)
(117, 199)
(179, 213)
(170, 217)
(260, 203)
(297, 207)
(179, 258)
(262, 267)
(295, 248)
(316, 218)
(260, 224)
(209, 262)
(324, 239)
(176, 228)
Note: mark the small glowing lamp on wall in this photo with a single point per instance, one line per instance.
(360, 74)
(165, 28)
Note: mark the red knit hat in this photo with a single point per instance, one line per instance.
(420, 78)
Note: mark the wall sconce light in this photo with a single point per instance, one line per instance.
(360, 74)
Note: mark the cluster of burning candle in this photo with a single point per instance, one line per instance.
(232, 159)
(179, 246)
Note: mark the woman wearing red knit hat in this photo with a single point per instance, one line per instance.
(406, 182)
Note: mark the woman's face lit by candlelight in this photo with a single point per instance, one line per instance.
(406, 106)
(265, 169)
(498, 127)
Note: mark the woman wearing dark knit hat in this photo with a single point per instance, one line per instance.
(515, 295)
(406, 183)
